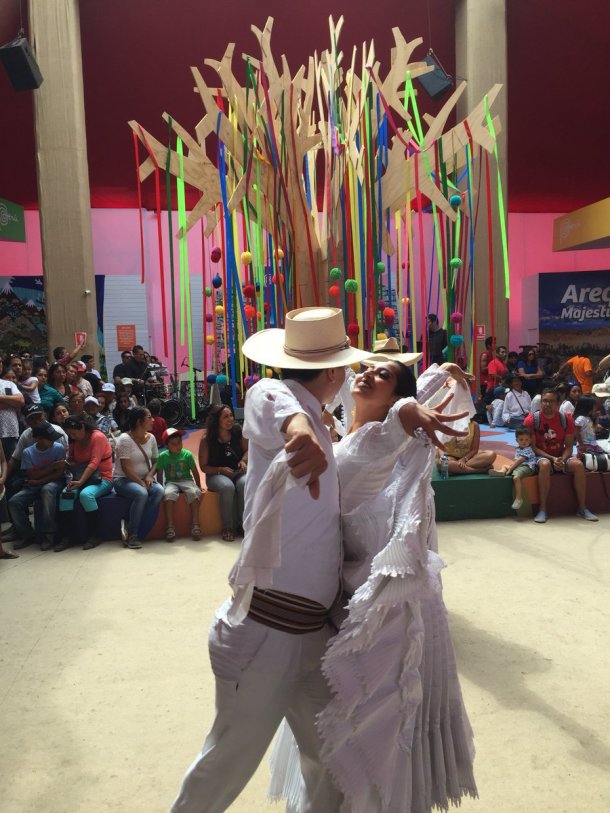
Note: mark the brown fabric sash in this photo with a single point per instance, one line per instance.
(287, 612)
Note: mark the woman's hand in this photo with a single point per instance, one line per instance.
(74, 484)
(414, 416)
(226, 471)
(148, 481)
(242, 465)
(462, 377)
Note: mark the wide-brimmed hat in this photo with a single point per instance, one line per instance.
(389, 349)
(601, 390)
(313, 339)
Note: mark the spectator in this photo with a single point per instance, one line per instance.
(134, 470)
(27, 383)
(76, 403)
(223, 457)
(464, 454)
(59, 415)
(484, 359)
(552, 435)
(49, 396)
(496, 408)
(584, 423)
(531, 372)
(179, 471)
(120, 370)
(63, 357)
(535, 407)
(96, 383)
(602, 392)
(105, 423)
(512, 360)
(107, 395)
(517, 404)
(127, 389)
(581, 369)
(11, 402)
(437, 340)
(90, 461)
(568, 406)
(81, 383)
(159, 427)
(4, 554)
(137, 368)
(43, 465)
(121, 412)
(89, 363)
(525, 464)
(496, 367)
(71, 378)
(57, 378)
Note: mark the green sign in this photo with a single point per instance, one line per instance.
(12, 222)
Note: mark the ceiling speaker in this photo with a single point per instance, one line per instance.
(435, 82)
(20, 65)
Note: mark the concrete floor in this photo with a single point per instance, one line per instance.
(106, 692)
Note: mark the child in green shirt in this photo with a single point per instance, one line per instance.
(179, 471)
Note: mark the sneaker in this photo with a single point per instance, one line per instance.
(47, 542)
(586, 514)
(124, 532)
(132, 542)
(540, 516)
(23, 543)
(517, 504)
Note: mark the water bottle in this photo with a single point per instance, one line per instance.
(444, 467)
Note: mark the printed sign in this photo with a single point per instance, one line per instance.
(12, 222)
(80, 338)
(574, 312)
(125, 337)
(479, 331)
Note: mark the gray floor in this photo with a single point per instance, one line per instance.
(106, 691)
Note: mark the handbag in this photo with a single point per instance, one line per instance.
(595, 461)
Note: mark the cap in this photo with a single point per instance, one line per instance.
(108, 388)
(172, 433)
(34, 409)
(46, 431)
(126, 381)
(80, 366)
(91, 399)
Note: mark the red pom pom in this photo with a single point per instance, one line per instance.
(215, 254)
(381, 305)
(267, 307)
(389, 315)
(249, 291)
(277, 279)
(353, 329)
(249, 311)
(333, 291)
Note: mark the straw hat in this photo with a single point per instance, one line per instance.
(601, 390)
(313, 339)
(390, 350)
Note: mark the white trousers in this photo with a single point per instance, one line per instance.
(262, 675)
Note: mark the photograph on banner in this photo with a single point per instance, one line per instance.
(23, 321)
(574, 313)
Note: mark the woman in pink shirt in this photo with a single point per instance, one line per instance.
(90, 460)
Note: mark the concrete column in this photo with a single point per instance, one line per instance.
(63, 174)
(480, 29)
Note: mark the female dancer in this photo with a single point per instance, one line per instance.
(395, 734)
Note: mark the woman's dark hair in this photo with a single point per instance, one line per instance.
(135, 415)
(58, 404)
(562, 389)
(213, 423)
(570, 388)
(80, 421)
(584, 406)
(406, 385)
(52, 370)
(154, 406)
(96, 383)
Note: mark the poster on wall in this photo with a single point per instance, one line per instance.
(574, 313)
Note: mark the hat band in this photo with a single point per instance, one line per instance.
(324, 351)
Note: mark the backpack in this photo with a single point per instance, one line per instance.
(562, 418)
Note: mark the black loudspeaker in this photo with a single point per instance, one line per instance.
(436, 82)
(20, 64)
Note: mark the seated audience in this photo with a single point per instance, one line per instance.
(121, 412)
(159, 424)
(134, 471)
(512, 360)
(177, 469)
(107, 395)
(525, 464)
(28, 383)
(496, 368)
(517, 404)
(105, 423)
(568, 406)
(137, 369)
(90, 462)
(43, 467)
(496, 408)
(585, 423)
(61, 355)
(552, 435)
(71, 378)
(49, 396)
(464, 454)
(223, 458)
(127, 389)
(89, 363)
(531, 372)
(59, 415)
(76, 403)
(120, 370)
(4, 554)
(80, 382)
(57, 377)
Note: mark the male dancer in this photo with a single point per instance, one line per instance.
(267, 642)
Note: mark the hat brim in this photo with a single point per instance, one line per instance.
(267, 347)
(402, 358)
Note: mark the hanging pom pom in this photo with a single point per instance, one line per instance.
(334, 291)
(455, 262)
(209, 317)
(405, 300)
(249, 291)
(219, 310)
(335, 273)
(456, 341)
(269, 372)
(209, 340)
(279, 254)
(211, 379)
(389, 316)
(222, 380)
(267, 307)
(215, 254)
(249, 311)
(380, 305)
(353, 330)
(277, 279)
(455, 201)
(259, 315)
(456, 317)
(381, 337)
(380, 267)
(351, 286)
(217, 281)
(246, 257)
(208, 290)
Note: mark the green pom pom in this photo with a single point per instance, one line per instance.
(380, 267)
(208, 290)
(455, 262)
(335, 273)
(351, 286)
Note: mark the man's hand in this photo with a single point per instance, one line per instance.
(306, 456)
(558, 463)
(414, 416)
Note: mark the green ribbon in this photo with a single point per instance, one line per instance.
(185, 283)
(501, 214)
